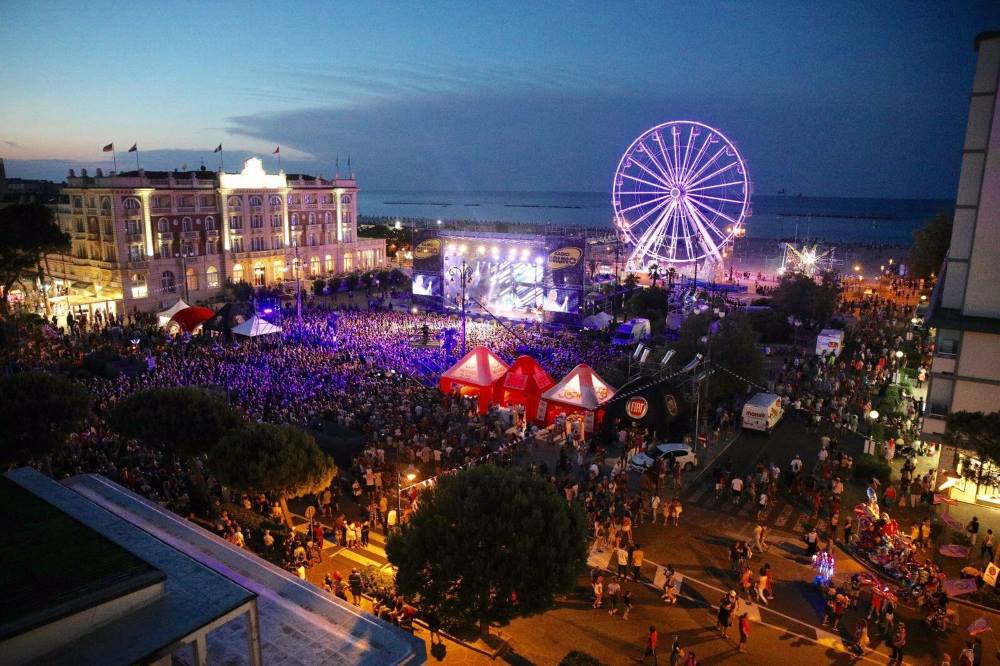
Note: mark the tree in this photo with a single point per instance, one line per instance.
(671, 278)
(654, 273)
(801, 297)
(489, 544)
(930, 246)
(187, 421)
(38, 412)
(319, 284)
(27, 233)
(272, 458)
(649, 304)
(631, 281)
(979, 432)
(733, 347)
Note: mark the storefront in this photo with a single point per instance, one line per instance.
(974, 481)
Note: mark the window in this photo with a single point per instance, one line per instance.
(294, 220)
(312, 240)
(235, 222)
(187, 249)
(191, 277)
(346, 217)
(257, 244)
(234, 202)
(209, 223)
(345, 200)
(312, 218)
(256, 201)
(163, 225)
(275, 200)
(78, 202)
(237, 273)
(133, 227)
(278, 266)
(948, 343)
(168, 282)
(310, 199)
(166, 249)
(328, 217)
(91, 203)
(328, 260)
(135, 253)
(278, 242)
(130, 203)
(275, 220)
(139, 287)
(256, 221)
(212, 247)
(314, 266)
(292, 199)
(237, 243)
(295, 269)
(212, 277)
(161, 202)
(258, 275)
(109, 254)
(206, 202)
(79, 225)
(109, 229)
(939, 396)
(106, 204)
(348, 262)
(186, 224)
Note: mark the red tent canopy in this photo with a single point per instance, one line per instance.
(581, 392)
(191, 318)
(480, 372)
(524, 384)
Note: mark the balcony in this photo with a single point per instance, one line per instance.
(159, 209)
(185, 209)
(133, 238)
(190, 235)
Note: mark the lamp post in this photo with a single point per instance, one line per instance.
(183, 256)
(463, 274)
(410, 473)
(707, 340)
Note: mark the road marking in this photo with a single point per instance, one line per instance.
(800, 523)
(783, 517)
(357, 557)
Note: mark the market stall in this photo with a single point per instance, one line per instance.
(190, 319)
(479, 373)
(581, 393)
(163, 318)
(524, 385)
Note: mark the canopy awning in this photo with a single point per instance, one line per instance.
(255, 326)
(582, 388)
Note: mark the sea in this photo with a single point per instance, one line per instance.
(825, 219)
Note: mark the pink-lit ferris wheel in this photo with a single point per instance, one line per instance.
(680, 195)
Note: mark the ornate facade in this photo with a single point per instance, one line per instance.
(142, 239)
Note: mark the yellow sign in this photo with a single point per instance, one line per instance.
(565, 257)
(427, 249)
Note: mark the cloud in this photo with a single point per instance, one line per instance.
(11, 144)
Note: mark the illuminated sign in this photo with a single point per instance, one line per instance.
(636, 408)
(427, 249)
(565, 257)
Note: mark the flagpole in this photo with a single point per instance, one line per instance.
(114, 156)
(222, 166)
(136, 157)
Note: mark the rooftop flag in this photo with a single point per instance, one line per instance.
(108, 148)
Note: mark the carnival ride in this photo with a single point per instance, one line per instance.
(680, 196)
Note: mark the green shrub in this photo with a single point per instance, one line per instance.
(256, 522)
(867, 467)
(577, 658)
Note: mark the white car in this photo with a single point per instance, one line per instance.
(685, 457)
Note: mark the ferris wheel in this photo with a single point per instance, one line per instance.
(680, 195)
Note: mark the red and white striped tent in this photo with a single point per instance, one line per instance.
(581, 392)
(479, 373)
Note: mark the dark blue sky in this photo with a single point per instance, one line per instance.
(838, 99)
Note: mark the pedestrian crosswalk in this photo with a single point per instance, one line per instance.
(782, 513)
(370, 555)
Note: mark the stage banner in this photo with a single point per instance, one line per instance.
(565, 264)
(428, 256)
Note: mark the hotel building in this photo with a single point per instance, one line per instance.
(964, 310)
(142, 239)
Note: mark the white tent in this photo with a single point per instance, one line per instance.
(255, 326)
(164, 317)
(597, 322)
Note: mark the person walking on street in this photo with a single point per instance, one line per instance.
(626, 603)
(898, 643)
(986, 549)
(725, 617)
(354, 582)
(973, 529)
(651, 639)
(622, 555)
(669, 583)
(744, 632)
(676, 652)
(598, 591)
(612, 593)
(637, 557)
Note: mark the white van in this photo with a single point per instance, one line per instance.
(762, 412)
(631, 332)
(829, 341)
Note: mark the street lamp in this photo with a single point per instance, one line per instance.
(410, 473)
(899, 353)
(464, 274)
(873, 415)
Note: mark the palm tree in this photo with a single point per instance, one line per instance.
(671, 276)
(654, 273)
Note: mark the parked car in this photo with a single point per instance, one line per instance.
(687, 458)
